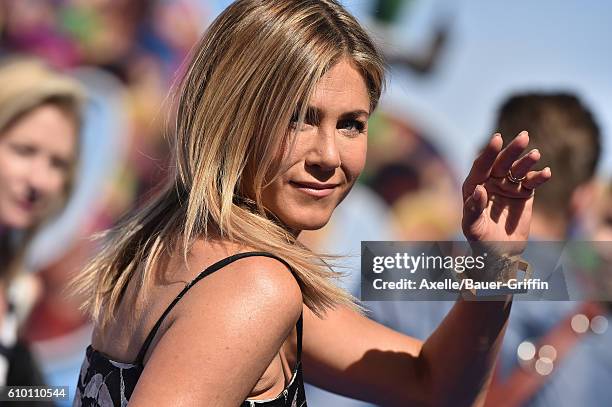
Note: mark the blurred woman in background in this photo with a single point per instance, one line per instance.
(40, 121)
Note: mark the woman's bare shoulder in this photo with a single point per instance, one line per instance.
(256, 280)
(234, 322)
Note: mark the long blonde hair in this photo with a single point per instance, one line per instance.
(257, 65)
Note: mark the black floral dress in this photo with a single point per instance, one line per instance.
(106, 383)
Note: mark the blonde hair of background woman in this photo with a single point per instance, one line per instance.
(26, 84)
(257, 65)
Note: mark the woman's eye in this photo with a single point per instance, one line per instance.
(60, 164)
(309, 121)
(23, 149)
(352, 126)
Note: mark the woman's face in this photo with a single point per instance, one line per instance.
(327, 153)
(36, 154)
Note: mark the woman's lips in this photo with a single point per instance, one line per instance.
(318, 190)
(26, 205)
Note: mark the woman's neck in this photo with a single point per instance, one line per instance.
(295, 233)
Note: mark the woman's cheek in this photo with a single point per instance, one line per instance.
(293, 153)
(353, 157)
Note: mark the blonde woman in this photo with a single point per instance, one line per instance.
(40, 120)
(271, 134)
(39, 138)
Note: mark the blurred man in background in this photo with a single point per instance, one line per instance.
(572, 361)
(568, 138)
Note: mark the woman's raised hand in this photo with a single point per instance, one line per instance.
(498, 193)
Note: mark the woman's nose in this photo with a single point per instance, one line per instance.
(324, 152)
(44, 179)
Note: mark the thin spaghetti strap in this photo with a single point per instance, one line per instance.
(299, 337)
(209, 270)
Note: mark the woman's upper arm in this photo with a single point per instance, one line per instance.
(225, 335)
(349, 354)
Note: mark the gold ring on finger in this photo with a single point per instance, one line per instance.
(513, 179)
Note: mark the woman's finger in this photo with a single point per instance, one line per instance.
(481, 169)
(534, 179)
(474, 205)
(509, 155)
(521, 167)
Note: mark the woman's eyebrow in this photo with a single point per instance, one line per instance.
(355, 114)
(314, 114)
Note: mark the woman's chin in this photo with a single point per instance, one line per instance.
(16, 221)
(313, 226)
(308, 223)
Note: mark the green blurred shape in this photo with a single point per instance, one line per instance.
(387, 11)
